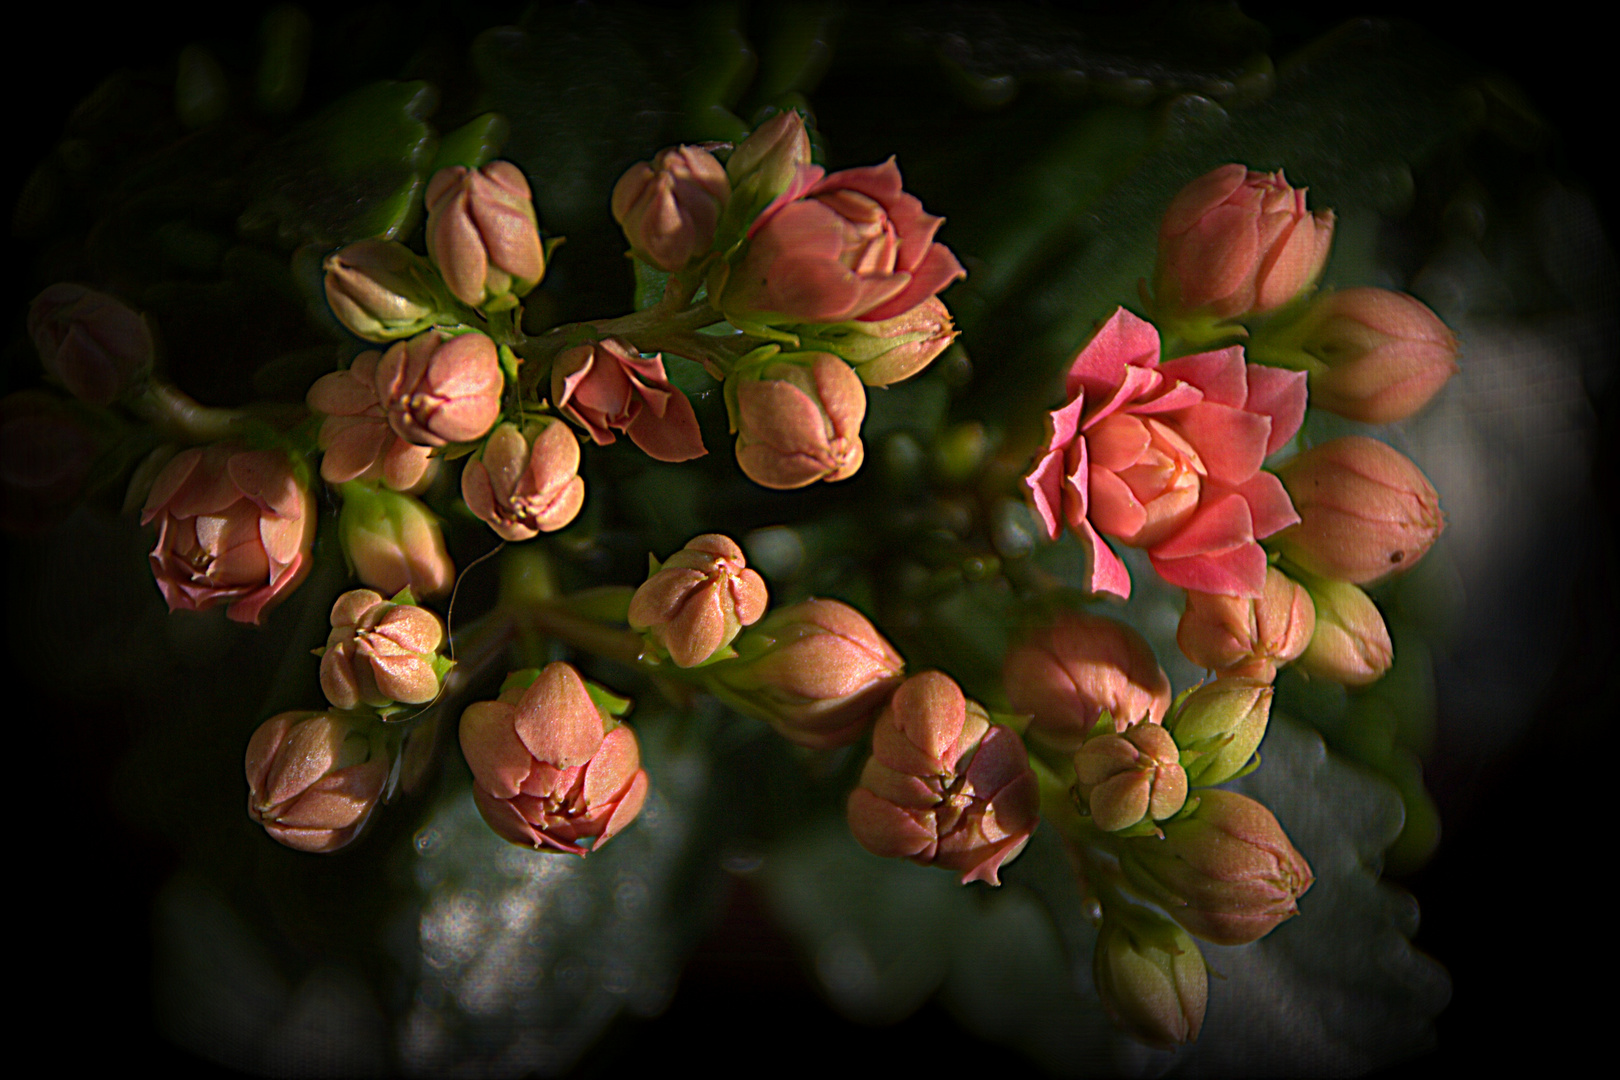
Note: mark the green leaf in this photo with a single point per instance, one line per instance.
(472, 145)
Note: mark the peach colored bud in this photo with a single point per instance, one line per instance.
(1130, 777)
(89, 342)
(669, 208)
(380, 290)
(816, 671)
(483, 235)
(944, 787)
(1351, 644)
(380, 652)
(1365, 510)
(551, 769)
(393, 542)
(1382, 355)
(1152, 982)
(699, 600)
(885, 352)
(1226, 872)
(521, 489)
(768, 159)
(1219, 727)
(1236, 242)
(315, 777)
(234, 525)
(355, 438)
(1064, 676)
(45, 457)
(1236, 635)
(437, 389)
(799, 420)
(608, 386)
(852, 245)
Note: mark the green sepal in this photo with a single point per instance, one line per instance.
(510, 361)
(404, 596)
(473, 144)
(441, 666)
(521, 679)
(1145, 827)
(455, 451)
(609, 702)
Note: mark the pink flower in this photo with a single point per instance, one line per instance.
(1235, 241)
(549, 768)
(380, 652)
(314, 778)
(608, 386)
(1167, 457)
(482, 233)
(438, 389)
(521, 489)
(355, 437)
(233, 525)
(669, 208)
(944, 787)
(799, 420)
(699, 600)
(852, 245)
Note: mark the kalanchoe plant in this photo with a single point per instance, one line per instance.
(866, 520)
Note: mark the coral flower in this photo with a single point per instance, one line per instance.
(1167, 457)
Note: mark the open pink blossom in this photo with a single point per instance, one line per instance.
(1167, 457)
(608, 386)
(356, 439)
(852, 245)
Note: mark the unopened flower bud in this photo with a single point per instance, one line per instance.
(1365, 510)
(381, 290)
(799, 420)
(380, 652)
(89, 342)
(885, 352)
(762, 165)
(699, 600)
(1248, 636)
(355, 437)
(1130, 777)
(1226, 872)
(483, 235)
(670, 207)
(45, 457)
(1064, 676)
(1219, 726)
(816, 671)
(944, 787)
(522, 488)
(1351, 644)
(1152, 981)
(393, 542)
(1380, 356)
(437, 389)
(315, 777)
(1235, 242)
(551, 769)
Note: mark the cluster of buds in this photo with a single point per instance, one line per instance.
(382, 652)
(1131, 777)
(315, 777)
(695, 604)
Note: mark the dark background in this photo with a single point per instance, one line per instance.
(1503, 901)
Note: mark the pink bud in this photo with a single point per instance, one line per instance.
(356, 440)
(437, 389)
(608, 386)
(394, 542)
(234, 525)
(550, 769)
(852, 245)
(45, 457)
(883, 353)
(799, 420)
(483, 235)
(1236, 242)
(699, 600)
(1365, 510)
(1383, 354)
(944, 787)
(1152, 981)
(816, 671)
(1226, 872)
(314, 778)
(1066, 674)
(1130, 777)
(669, 209)
(768, 159)
(1236, 635)
(521, 490)
(380, 290)
(380, 652)
(1351, 643)
(89, 342)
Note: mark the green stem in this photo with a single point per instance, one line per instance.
(655, 329)
(181, 417)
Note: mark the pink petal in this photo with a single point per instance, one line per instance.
(1123, 341)
(938, 269)
(1280, 395)
(1220, 375)
(1269, 505)
(1200, 196)
(1219, 524)
(498, 760)
(1106, 573)
(1240, 571)
(1230, 442)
